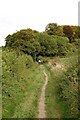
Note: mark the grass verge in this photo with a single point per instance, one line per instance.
(56, 107)
(22, 83)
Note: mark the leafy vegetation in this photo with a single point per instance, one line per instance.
(62, 89)
(23, 78)
(22, 81)
(0, 82)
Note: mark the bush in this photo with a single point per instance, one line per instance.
(68, 90)
(14, 79)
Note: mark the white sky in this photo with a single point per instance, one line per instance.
(35, 14)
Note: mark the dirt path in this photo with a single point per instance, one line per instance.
(42, 111)
(41, 108)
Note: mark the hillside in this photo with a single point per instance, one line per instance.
(48, 89)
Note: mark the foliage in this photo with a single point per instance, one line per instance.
(19, 88)
(62, 45)
(20, 38)
(62, 88)
(54, 29)
(48, 45)
(67, 90)
(23, 78)
(52, 42)
(25, 41)
(78, 31)
(68, 31)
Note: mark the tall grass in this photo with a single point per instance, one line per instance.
(61, 93)
(0, 82)
(22, 82)
(52, 107)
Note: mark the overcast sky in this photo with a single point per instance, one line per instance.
(35, 14)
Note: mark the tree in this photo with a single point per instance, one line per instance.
(32, 48)
(48, 45)
(62, 44)
(54, 29)
(68, 31)
(22, 35)
(9, 40)
(78, 31)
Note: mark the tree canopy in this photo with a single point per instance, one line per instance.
(55, 40)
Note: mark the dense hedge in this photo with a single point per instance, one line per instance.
(67, 91)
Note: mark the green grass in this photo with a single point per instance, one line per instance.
(68, 99)
(22, 83)
(0, 82)
(52, 107)
(55, 106)
(29, 106)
